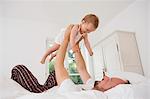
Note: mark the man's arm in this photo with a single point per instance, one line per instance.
(81, 66)
(73, 34)
(60, 71)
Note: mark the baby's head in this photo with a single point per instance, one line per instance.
(89, 23)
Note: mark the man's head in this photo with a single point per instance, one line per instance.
(89, 23)
(108, 83)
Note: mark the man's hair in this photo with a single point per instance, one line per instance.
(95, 83)
(91, 18)
(128, 82)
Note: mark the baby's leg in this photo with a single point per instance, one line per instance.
(52, 56)
(49, 51)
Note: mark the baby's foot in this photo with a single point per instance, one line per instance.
(42, 61)
(52, 56)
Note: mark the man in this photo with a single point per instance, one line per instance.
(66, 84)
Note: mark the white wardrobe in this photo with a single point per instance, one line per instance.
(117, 52)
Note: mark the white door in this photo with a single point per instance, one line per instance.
(111, 56)
(98, 62)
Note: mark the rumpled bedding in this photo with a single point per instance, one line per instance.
(51, 94)
(119, 92)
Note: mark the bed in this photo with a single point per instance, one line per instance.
(139, 89)
(9, 89)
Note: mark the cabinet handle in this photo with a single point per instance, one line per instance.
(117, 47)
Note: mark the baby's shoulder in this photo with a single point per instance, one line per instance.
(76, 27)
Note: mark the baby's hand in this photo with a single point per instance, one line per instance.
(84, 35)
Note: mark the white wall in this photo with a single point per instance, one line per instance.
(148, 38)
(27, 24)
(1, 23)
(24, 38)
(132, 19)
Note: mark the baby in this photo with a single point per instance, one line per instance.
(78, 32)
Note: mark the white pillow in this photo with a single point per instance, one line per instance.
(134, 78)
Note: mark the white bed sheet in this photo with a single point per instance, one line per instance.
(115, 93)
(142, 90)
(134, 91)
(122, 91)
(52, 94)
(12, 90)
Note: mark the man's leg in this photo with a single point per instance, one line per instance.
(51, 80)
(23, 76)
(26, 79)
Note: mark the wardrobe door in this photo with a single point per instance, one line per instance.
(111, 56)
(98, 62)
(129, 52)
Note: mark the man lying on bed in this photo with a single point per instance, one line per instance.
(66, 84)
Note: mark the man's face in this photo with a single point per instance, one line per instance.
(108, 83)
(105, 83)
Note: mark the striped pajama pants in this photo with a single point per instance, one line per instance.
(26, 79)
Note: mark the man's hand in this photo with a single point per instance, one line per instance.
(81, 65)
(76, 48)
(68, 31)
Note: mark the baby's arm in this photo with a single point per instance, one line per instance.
(73, 34)
(87, 45)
